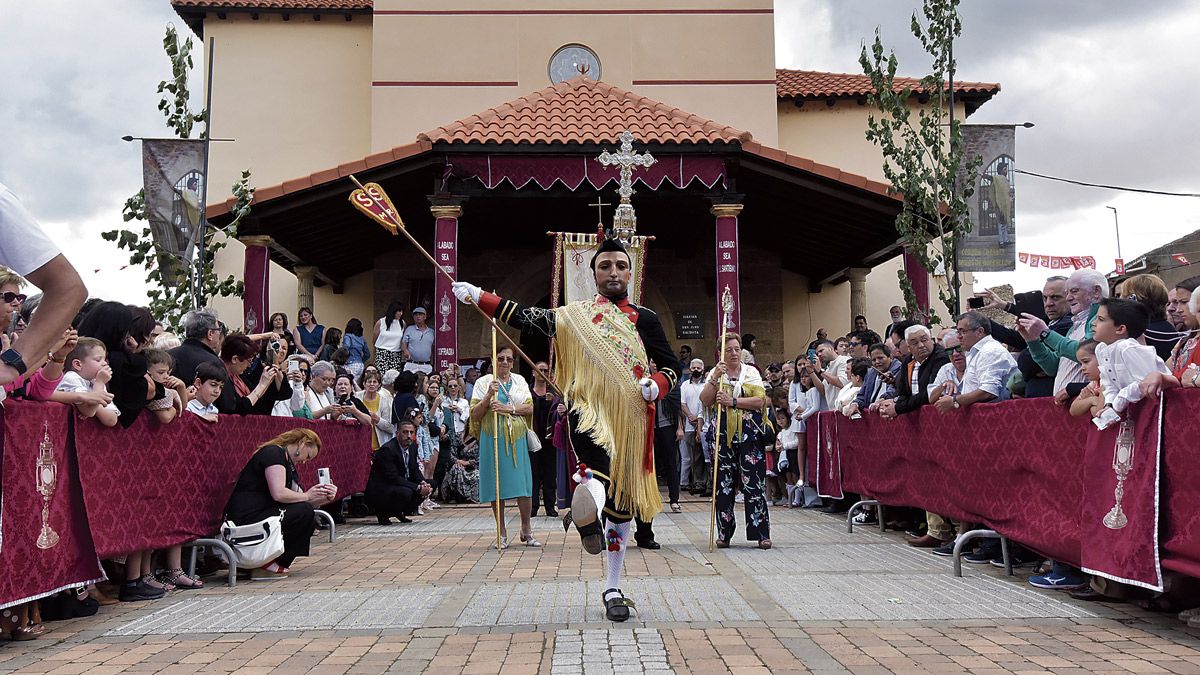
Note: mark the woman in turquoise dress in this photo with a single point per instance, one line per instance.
(501, 413)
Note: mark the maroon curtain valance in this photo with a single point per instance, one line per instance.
(573, 170)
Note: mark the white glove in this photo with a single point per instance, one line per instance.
(649, 389)
(466, 293)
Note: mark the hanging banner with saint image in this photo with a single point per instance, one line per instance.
(579, 282)
(991, 244)
(173, 177)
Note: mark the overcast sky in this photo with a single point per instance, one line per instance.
(1109, 84)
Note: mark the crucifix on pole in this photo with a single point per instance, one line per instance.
(600, 204)
(624, 221)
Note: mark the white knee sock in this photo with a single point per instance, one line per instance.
(616, 558)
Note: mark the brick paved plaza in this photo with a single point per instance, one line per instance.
(430, 597)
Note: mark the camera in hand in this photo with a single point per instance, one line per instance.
(975, 303)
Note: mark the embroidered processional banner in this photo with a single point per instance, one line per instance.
(1121, 498)
(579, 282)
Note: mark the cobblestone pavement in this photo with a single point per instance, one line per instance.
(431, 597)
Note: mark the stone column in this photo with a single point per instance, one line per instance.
(256, 274)
(304, 286)
(727, 266)
(444, 314)
(858, 292)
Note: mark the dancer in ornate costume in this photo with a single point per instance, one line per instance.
(603, 349)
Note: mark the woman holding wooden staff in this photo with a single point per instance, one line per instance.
(737, 390)
(501, 413)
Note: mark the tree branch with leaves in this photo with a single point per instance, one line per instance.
(175, 283)
(922, 149)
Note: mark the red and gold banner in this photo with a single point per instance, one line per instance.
(1120, 501)
(727, 265)
(257, 279)
(45, 544)
(445, 319)
(827, 452)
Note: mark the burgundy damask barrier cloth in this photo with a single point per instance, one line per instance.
(572, 171)
(41, 551)
(152, 486)
(1019, 468)
(826, 450)
(1120, 498)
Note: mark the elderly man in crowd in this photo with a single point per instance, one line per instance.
(1085, 289)
(203, 335)
(917, 370)
(1039, 380)
(988, 365)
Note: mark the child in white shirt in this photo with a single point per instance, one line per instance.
(210, 380)
(1122, 361)
(84, 383)
(175, 398)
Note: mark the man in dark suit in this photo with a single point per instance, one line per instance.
(925, 359)
(395, 487)
(203, 335)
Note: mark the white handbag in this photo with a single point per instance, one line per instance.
(255, 544)
(532, 440)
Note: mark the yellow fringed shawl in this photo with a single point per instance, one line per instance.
(597, 355)
(512, 427)
(732, 418)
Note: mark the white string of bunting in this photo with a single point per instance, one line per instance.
(1057, 262)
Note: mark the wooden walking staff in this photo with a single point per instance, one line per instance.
(496, 449)
(726, 318)
(374, 202)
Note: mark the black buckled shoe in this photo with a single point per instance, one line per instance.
(616, 605)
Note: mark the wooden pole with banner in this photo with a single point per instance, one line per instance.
(374, 202)
(726, 315)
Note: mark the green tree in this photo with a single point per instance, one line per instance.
(923, 153)
(177, 285)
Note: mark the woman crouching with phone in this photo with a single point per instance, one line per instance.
(268, 484)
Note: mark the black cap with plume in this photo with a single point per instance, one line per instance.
(609, 244)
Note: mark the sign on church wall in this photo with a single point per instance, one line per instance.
(689, 326)
(992, 243)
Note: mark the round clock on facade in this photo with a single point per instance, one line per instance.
(570, 60)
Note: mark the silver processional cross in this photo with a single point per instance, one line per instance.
(624, 220)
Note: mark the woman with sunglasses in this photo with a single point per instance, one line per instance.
(39, 382)
(501, 414)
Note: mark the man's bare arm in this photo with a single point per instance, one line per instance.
(63, 293)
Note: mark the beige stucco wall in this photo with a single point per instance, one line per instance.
(505, 47)
(294, 95)
(298, 97)
(835, 135)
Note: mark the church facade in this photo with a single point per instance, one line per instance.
(484, 119)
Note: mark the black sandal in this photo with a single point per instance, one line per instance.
(616, 607)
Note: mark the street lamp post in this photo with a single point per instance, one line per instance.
(1117, 226)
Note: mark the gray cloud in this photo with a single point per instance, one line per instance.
(78, 76)
(1105, 82)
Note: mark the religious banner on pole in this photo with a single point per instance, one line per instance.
(727, 263)
(1120, 516)
(991, 244)
(256, 273)
(579, 282)
(445, 319)
(173, 178)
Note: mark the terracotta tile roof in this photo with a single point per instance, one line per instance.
(576, 111)
(815, 85)
(582, 110)
(824, 170)
(298, 5)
